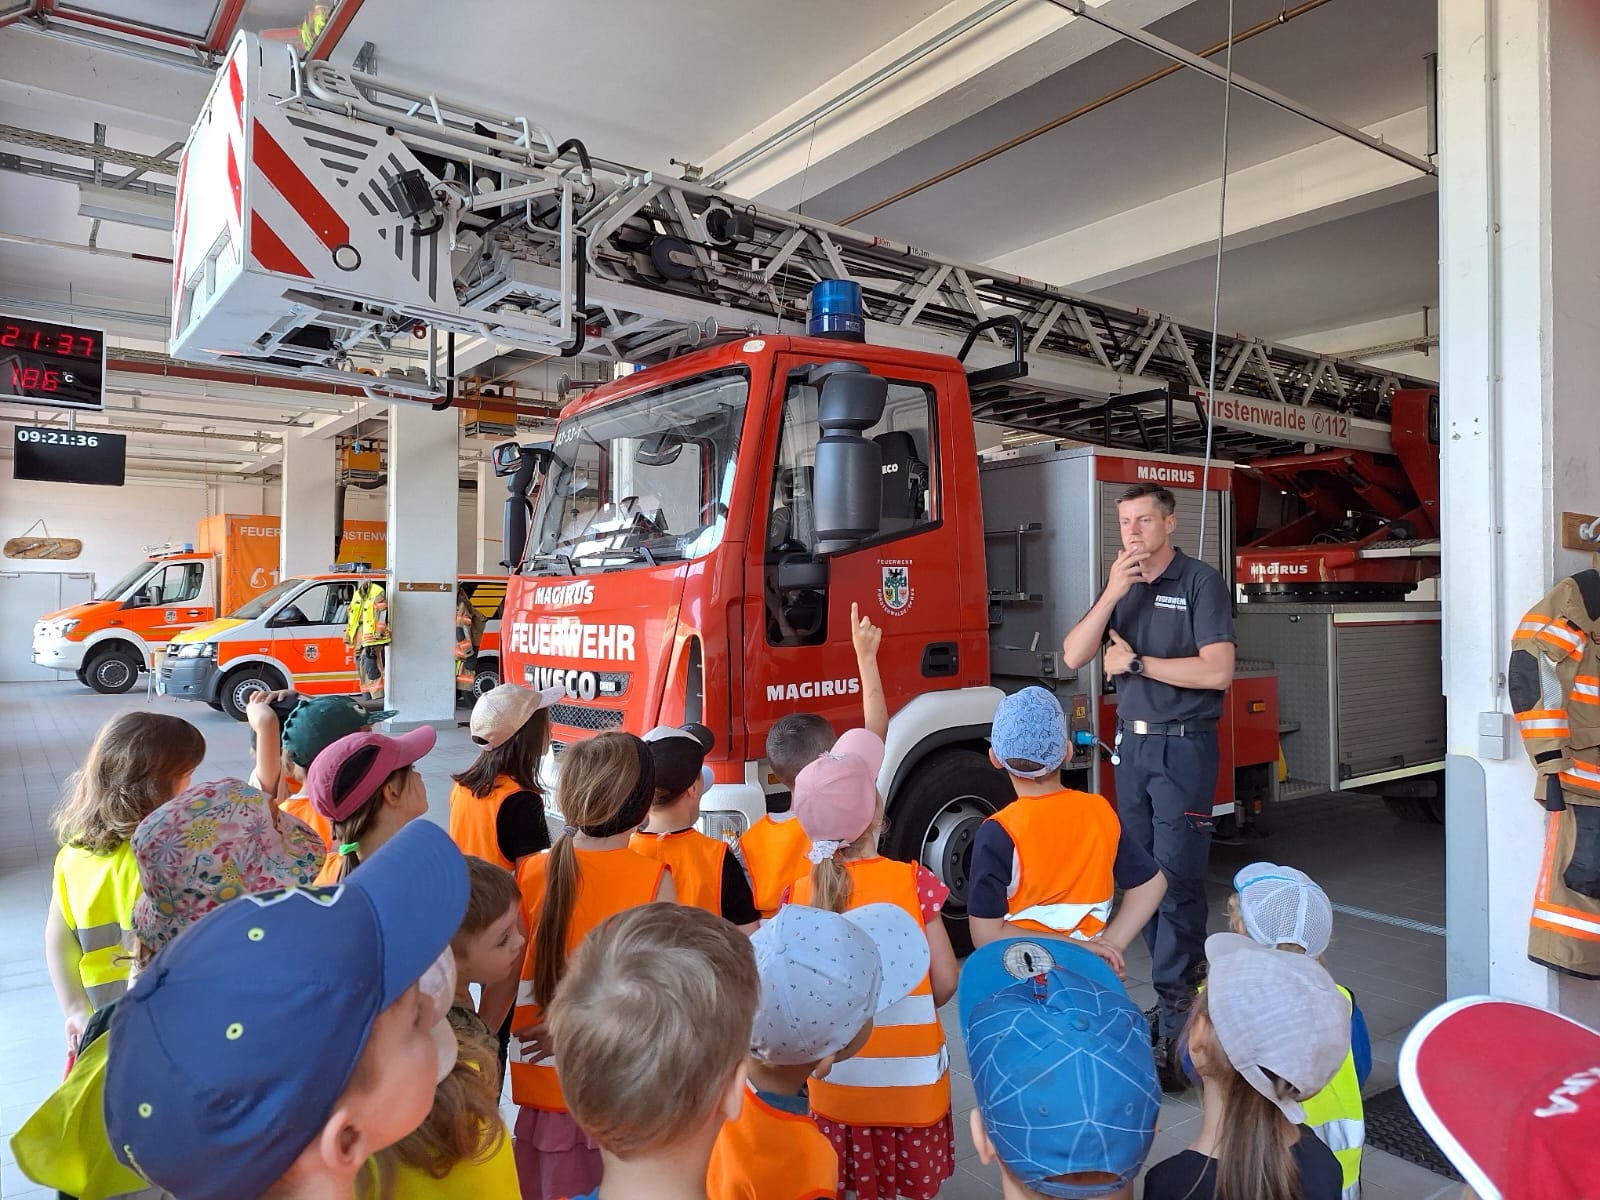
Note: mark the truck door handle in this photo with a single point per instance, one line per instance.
(193, 612)
(940, 659)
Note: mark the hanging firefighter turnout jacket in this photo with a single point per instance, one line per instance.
(1554, 682)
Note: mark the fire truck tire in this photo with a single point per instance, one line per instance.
(485, 679)
(113, 669)
(240, 684)
(935, 819)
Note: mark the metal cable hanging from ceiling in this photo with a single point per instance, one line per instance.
(1216, 291)
(1083, 110)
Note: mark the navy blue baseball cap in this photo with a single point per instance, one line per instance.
(230, 1052)
(1061, 1064)
(1030, 726)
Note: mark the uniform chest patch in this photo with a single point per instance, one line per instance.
(1173, 603)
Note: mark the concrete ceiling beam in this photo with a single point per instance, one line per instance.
(1011, 51)
(1323, 182)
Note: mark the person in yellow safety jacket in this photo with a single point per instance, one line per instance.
(1554, 684)
(1284, 908)
(367, 632)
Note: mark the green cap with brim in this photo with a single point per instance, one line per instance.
(316, 724)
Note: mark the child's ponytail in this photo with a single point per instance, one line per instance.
(831, 886)
(607, 782)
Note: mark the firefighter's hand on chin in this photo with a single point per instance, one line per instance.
(1117, 655)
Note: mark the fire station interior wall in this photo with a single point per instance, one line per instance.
(116, 524)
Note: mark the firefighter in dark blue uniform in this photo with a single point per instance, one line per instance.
(1166, 623)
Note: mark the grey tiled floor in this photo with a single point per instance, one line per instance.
(1351, 846)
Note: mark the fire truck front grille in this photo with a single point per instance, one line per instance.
(581, 716)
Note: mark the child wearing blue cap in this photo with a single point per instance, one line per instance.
(288, 1036)
(1065, 1083)
(1050, 862)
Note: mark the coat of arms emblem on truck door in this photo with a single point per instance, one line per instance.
(895, 594)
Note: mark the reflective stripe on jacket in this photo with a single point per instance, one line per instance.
(901, 1077)
(609, 881)
(1337, 1115)
(96, 893)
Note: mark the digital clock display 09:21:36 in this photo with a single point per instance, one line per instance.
(53, 365)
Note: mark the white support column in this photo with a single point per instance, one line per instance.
(422, 563)
(1520, 160)
(306, 535)
(491, 520)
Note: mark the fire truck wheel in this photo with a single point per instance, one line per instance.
(1418, 810)
(112, 671)
(485, 679)
(241, 684)
(934, 818)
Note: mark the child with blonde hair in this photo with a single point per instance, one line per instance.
(887, 1110)
(652, 1021)
(1268, 1031)
(607, 783)
(138, 762)
(367, 787)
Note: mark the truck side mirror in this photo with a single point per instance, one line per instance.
(520, 466)
(847, 496)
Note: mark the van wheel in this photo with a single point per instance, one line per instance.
(239, 685)
(485, 679)
(83, 675)
(936, 820)
(113, 670)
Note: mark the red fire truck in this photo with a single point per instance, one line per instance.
(698, 530)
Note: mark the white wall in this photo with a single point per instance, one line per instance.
(114, 524)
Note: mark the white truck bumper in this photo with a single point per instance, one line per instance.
(57, 653)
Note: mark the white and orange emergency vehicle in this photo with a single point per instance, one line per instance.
(176, 587)
(293, 636)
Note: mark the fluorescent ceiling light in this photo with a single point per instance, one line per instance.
(125, 207)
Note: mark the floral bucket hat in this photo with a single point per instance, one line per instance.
(212, 844)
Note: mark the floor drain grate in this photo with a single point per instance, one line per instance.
(1393, 1128)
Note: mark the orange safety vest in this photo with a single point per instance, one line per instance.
(774, 854)
(329, 875)
(300, 806)
(1066, 843)
(902, 1075)
(695, 861)
(770, 1154)
(473, 820)
(609, 881)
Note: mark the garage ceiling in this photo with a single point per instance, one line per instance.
(1327, 241)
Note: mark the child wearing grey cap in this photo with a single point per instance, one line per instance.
(824, 976)
(1050, 862)
(1267, 1033)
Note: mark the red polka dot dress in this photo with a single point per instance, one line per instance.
(889, 1162)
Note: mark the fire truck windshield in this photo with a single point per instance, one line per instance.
(642, 480)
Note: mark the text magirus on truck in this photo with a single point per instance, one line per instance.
(697, 531)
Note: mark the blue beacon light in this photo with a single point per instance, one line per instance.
(836, 311)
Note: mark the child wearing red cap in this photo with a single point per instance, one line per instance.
(887, 1110)
(367, 787)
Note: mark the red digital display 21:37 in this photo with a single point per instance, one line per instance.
(49, 365)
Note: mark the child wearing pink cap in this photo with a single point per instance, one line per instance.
(368, 788)
(887, 1110)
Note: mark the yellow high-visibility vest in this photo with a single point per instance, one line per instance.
(1337, 1115)
(96, 893)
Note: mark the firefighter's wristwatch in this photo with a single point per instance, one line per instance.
(1136, 665)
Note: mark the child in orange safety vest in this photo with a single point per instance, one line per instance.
(1051, 861)
(607, 783)
(824, 976)
(705, 870)
(497, 804)
(887, 1110)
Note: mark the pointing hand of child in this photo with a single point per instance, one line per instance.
(863, 633)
